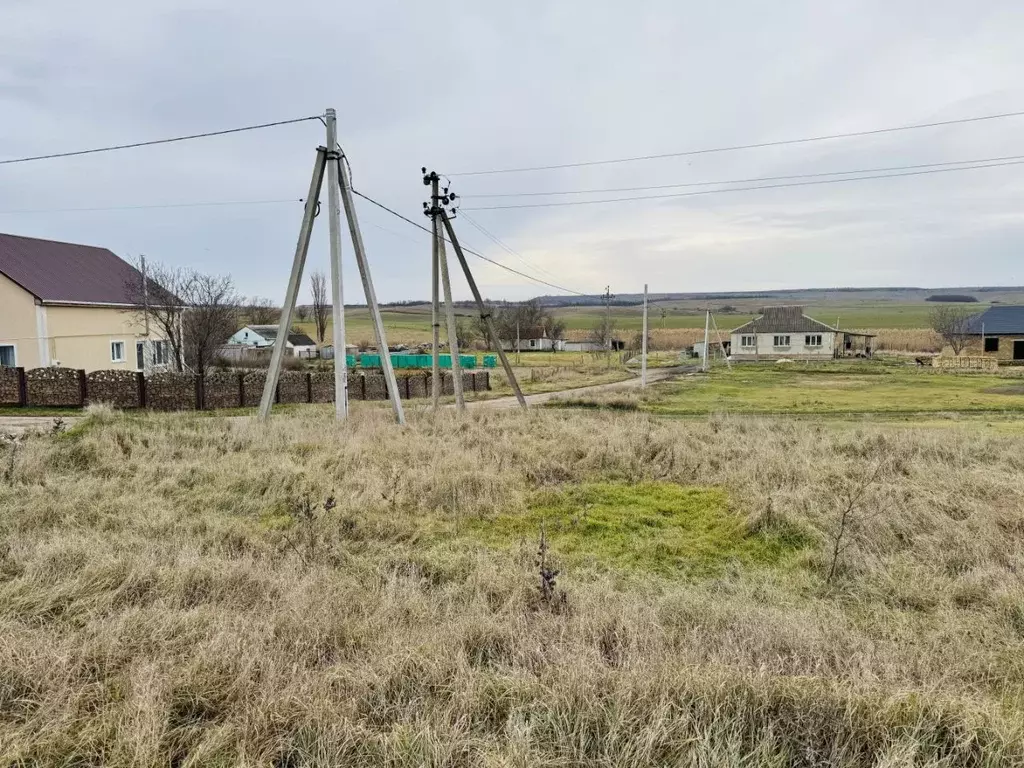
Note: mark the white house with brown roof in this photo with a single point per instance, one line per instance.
(70, 305)
(787, 333)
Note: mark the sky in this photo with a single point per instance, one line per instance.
(461, 87)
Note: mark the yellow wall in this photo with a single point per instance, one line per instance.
(78, 337)
(18, 322)
(974, 347)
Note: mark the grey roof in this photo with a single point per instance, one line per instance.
(65, 272)
(269, 332)
(783, 320)
(1000, 319)
(300, 340)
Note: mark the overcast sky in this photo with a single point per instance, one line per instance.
(460, 86)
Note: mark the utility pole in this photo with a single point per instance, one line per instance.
(518, 343)
(436, 199)
(707, 323)
(643, 345)
(435, 311)
(485, 312)
(337, 294)
(329, 162)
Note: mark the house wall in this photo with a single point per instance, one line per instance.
(18, 322)
(975, 348)
(79, 337)
(766, 349)
(249, 337)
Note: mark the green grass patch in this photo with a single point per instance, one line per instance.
(659, 528)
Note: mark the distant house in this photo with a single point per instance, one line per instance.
(533, 340)
(297, 344)
(72, 305)
(786, 332)
(997, 332)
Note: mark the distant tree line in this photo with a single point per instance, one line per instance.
(953, 298)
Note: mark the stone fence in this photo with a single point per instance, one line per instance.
(965, 363)
(70, 388)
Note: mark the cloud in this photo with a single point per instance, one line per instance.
(459, 87)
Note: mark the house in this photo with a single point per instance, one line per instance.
(787, 333)
(533, 340)
(297, 344)
(997, 332)
(72, 305)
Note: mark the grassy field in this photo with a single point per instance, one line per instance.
(177, 590)
(825, 389)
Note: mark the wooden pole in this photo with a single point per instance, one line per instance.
(643, 345)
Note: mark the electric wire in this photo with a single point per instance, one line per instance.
(758, 145)
(736, 189)
(607, 190)
(507, 268)
(212, 203)
(117, 147)
(507, 248)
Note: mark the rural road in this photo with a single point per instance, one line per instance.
(657, 374)
(16, 425)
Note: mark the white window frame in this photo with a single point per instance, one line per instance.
(124, 352)
(14, 348)
(782, 341)
(161, 352)
(813, 340)
(748, 341)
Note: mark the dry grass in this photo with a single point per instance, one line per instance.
(165, 601)
(905, 339)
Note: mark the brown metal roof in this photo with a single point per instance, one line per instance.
(66, 272)
(783, 320)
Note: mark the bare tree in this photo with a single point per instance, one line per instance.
(194, 312)
(261, 311)
(302, 312)
(953, 325)
(603, 331)
(209, 320)
(321, 309)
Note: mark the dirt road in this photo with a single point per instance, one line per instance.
(658, 374)
(16, 425)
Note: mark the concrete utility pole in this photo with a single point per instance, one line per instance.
(329, 159)
(435, 311)
(485, 313)
(449, 306)
(301, 249)
(643, 345)
(337, 294)
(707, 323)
(369, 292)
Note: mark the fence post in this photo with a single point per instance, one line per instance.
(309, 387)
(140, 383)
(199, 391)
(22, 387)
(241, 390)
(83, 388)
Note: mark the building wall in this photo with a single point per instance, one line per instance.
(80, 337)
(766, 349)
(975, 349)
(18, 322)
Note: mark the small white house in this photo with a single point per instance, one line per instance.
(297, 344)
(786, 332)
(534, 340)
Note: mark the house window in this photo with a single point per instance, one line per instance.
(8, 358)
(781, 341)
(992, 344)
(117, 351)
(812, 340)
(748, 341)
(160, 353)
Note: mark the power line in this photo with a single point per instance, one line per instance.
(507, 248)
(149, 207)
(469, 250)
(738, 189)
(758, 145)
(117, 147)
(741, 181)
